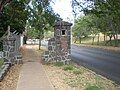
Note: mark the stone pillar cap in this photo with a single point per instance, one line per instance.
(62, 23)
(9, 38)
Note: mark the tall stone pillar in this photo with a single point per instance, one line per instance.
(62, 35)
(59, 47)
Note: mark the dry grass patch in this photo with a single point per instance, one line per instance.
(74, 77)
(11, 79)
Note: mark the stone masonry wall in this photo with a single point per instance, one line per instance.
(11, 45)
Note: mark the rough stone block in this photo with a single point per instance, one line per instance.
(46, 52)
(50, 48)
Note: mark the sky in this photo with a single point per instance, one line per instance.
(64, 9)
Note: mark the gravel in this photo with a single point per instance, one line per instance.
(11, 79)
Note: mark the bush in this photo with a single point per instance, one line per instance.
(58, 64)
(1, 61)
(93, 88)
(76, 71)
(68, 67)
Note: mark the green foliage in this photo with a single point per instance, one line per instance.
(77, 71)
(58, 64)
(1, 46)
(49, 34)
(84, 26)
(105, 17)
(73, 82)
(1, 61)
(68, 67)
(108, 43)
(3, 3)
(93, 88)
(32, 32)
(41, 15)
(14, 14)
(38, 14)
(41, 18)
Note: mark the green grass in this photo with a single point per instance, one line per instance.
(1, 61)
(77, 71)
(93, 88)
(73, 82)
(79, 75)
(107, 43)
(58, 64)
(88, 41)
(72, 68)
(68, 67)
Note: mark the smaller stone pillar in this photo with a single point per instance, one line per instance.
(8, 48)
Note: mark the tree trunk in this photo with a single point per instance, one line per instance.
(39, 39)
(114, 36)
(98, 39)
(41, 36)
(79, 40)
(104, 37)
(93, 40)
(116, 40)
(39, 43)
(110, 38)
(75, 40)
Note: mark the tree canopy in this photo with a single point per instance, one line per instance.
(106, 15)
(14, 15)
(17, 13)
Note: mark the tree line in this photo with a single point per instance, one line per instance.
(100, 16)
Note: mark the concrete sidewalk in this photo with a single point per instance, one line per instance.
(32, 75)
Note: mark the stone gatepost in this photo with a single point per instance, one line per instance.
(59, 47)
(8, 48)
(62, 35)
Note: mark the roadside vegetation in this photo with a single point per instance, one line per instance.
(72, 76)
(99, 17)
(1, 61)
(89, 41)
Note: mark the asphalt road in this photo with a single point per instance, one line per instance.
(104, 62)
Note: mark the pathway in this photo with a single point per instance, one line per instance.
(32, 75)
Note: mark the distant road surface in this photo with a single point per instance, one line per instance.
(104, 62)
